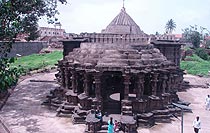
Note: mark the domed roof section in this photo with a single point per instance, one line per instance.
(123, 24)
(114, 56)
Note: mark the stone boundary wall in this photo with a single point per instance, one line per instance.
(26, 48)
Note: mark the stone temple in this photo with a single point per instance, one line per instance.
(121, 71)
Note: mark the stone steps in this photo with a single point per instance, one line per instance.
(163, 118)
(127, 113)
(64, 111)
(76, 119)
(104, 127)
(65, 108)
(105, 131)
(102, 131)
(146, 119)
(127, 107)
(56, 103)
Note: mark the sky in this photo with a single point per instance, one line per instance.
(151, 15)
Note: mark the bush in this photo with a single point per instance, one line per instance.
(8, 76)
(208, 44)
(196, 65)
(202, 53)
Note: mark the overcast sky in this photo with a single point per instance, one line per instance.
(151, 15)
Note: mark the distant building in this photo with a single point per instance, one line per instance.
(52, 35)
(45, 31)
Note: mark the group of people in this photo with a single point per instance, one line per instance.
(113, 127)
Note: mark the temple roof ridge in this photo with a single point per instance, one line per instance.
(123, 24)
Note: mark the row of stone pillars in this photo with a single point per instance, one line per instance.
(166, 79)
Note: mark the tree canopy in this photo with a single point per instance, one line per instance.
(192, 35)
(20, 17)
(170, 26)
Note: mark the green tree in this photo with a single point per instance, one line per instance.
(191, 35)
(170, 26)
(157, 33)
(202, 53)
(20, 17)
(207, 43)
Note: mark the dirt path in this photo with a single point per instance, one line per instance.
(196, 96)
(24, 113)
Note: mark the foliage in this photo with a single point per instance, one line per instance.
(20, 17)
(157, 33)
(186, 48)
(208, 44)
(196, 66)
(170, 26)
(192, 35)
(202, 53)
(9, 76)
(38, 61)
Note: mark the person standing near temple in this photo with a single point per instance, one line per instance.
(197, 124)
(116, 126)
(207, 102)
(110, 125)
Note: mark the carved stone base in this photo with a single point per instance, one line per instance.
(139, 106)
(155, 103)
(79, 116)
(166, 97)
(84, 101)
(93, 124)
(71, 97)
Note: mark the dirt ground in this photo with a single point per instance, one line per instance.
(24, 113)
(196, 96)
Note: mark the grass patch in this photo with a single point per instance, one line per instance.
(38, 61)
(196, 65)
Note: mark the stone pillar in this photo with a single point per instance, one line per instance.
(180, 78)
(170, 76)
(86, 84)
(164, 79)
(62, 76)
(97, 77)
(126, 84)
(74, 87)
(173, 82)
(154, 83)
(67, 75)
(140, 90)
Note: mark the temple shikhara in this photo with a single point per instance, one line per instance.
(121, 71)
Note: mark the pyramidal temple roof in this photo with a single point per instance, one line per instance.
(123, 24)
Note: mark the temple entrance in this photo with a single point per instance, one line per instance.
(113, 92)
